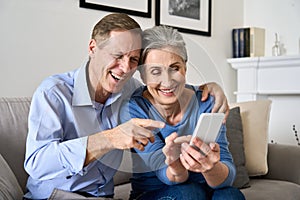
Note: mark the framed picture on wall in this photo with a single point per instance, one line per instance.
(140, 8)
(188, 16)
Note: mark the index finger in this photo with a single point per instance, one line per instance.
(148, 123)
(183, 139)
(171, 138)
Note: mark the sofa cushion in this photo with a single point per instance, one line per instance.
(264, 189)
(235, 138)
(13, 132)
(58, 194)
(122, 191)
(9, 186)
(255, 119)
(283, 162)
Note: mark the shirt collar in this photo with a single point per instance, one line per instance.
(81, 96)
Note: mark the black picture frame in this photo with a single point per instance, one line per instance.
(115, 7)
(184, 20)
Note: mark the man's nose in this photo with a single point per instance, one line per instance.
(125, 64)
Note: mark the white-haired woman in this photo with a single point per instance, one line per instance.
(169, 168)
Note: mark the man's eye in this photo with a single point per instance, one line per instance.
(118, 56)
(134, 60)
(174, 68)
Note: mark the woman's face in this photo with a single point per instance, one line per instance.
(164, 74)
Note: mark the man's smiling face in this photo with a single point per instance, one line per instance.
(115, 60)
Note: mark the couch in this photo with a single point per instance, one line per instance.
(280, 178)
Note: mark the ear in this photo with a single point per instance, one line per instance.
(92, 47)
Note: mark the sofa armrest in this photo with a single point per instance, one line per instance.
(283, 163)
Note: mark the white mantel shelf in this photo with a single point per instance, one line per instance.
(263, 62)
(260, 76)
(277, 79)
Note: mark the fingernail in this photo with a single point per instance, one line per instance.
(162, 124)
(184, 145)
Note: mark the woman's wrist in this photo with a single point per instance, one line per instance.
(176, 172)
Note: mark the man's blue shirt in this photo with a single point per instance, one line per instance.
(61, 117)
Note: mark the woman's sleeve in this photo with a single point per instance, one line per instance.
(226, 158)
(152, 157)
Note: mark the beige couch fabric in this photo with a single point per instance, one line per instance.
(13, 132)
(255, 119)
(9, 186)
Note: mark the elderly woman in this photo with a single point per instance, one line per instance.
(169, 168)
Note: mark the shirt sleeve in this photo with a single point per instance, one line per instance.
(152, 157)
(226, 158)
(50, 152)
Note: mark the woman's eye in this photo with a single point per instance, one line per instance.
(155, 72)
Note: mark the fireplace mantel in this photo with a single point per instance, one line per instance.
(277, 79)
(260, 76)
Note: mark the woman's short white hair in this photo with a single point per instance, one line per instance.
(163, 37)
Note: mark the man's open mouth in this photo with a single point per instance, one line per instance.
(115, 76)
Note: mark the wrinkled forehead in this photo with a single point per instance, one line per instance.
(124, 41)
(159, 55)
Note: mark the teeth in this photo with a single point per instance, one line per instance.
(116, 76)
(168, 90)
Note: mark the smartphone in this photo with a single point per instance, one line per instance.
(208, 127)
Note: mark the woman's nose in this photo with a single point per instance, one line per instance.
(166, 78)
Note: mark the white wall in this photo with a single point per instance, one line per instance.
(44, 37)
(282, 17)
(226, 14)
(40, 38)
(276, 16)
